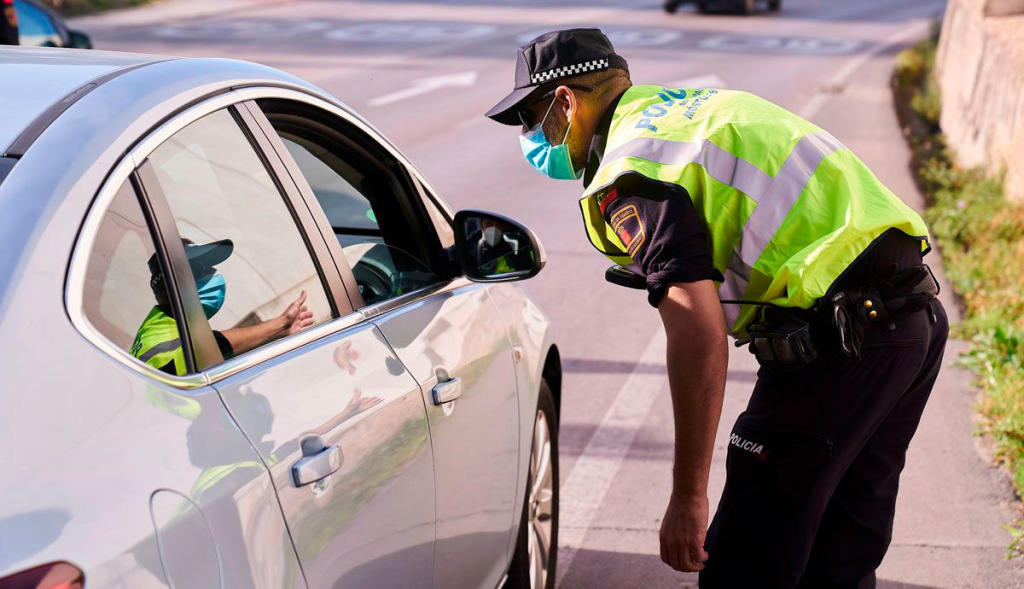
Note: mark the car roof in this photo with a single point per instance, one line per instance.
(37, 78)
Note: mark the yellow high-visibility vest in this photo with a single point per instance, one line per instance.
(786, 205)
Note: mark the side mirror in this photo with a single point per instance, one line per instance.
(79, 40)
(493, 248)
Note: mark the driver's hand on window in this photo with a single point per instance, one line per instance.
(296, 316)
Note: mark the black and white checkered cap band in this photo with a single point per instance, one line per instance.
(569, 70)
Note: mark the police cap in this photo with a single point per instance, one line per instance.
(551, 57)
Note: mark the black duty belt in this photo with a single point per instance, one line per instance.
(787, 338)
(791, 338)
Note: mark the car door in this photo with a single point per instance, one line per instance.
(323, 399)
(152, 444)
(444, 329)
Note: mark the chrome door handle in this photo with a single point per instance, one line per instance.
(310, 469)
(446, 391)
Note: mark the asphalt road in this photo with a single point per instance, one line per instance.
(424, 72)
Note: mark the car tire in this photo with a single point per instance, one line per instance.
(534, 565)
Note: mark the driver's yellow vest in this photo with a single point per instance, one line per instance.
(787, 207)
(158, 343)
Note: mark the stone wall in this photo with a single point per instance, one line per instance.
(980, 68)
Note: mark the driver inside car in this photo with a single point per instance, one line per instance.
(157, 342)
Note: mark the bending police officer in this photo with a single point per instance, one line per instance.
(744, 219)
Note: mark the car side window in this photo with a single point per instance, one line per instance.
(34, 26)
(119, 297)
(369, 202)
(255, 275)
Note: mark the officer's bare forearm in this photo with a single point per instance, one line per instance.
(243, 339)
(697, 360)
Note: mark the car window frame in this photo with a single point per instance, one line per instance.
(358, 131)
(200, 335)
(132, 165)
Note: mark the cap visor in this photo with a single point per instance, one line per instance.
(505, 111)
(210, 254)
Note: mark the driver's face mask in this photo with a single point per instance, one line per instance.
(212, 291)
(553, 161)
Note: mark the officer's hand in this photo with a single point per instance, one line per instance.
(682, 533)
(297, 316)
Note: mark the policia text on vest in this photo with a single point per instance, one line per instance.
(791, 219)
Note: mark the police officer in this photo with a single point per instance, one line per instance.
(157, 341)
(715, 196)
(8, 23)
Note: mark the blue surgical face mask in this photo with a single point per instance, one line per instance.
(212, 291)
(553, 161)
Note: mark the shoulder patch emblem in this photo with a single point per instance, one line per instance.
(627, 225)
(607, 199)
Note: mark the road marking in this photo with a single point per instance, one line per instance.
(621, 37)
(410, 32)
(599, 463)
(709, 81)
(761, 44)
(240, 29)
(424, 85)
(839, 79)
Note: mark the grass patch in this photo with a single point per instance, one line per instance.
(982, 241)
(80, 7)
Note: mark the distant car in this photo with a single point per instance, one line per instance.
(737, 6)
(152, 209)
(39, 26)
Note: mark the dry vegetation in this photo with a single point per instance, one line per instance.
(981, 236)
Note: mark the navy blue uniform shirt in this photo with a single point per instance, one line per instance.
(656, 222)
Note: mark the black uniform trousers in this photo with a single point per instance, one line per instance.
(814, 462)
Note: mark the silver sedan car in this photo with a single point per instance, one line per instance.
(245, 344)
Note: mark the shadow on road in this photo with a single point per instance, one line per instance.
(591, 366)
(598, 569)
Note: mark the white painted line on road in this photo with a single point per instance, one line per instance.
(709, 81)
(424, 85)
(620, 37)
(815, 104)
(804, 45)
(420, 32)
(472, 122)
(598, 465)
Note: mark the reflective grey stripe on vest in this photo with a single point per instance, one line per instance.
(717, 162)
(782, 194)
(160, 348)
(775, 196)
